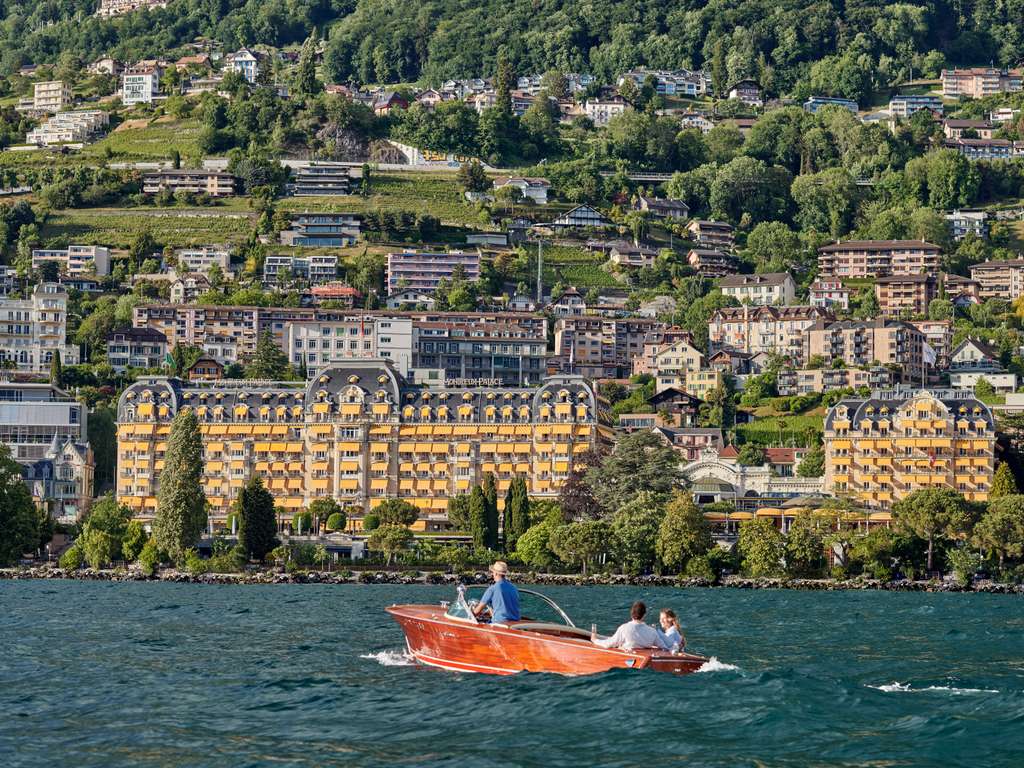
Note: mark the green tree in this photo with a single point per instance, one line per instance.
(533, 547)
(305, 76)
(478, 518)
(56, 370)
(805, 547)
(812, 464)
(135, 538)
(751, 455)
(635, 528)
(336, 522)
(324, 508)
(181, 502)
(933, 513)
(390, 539)
(1001, 528)
(640, 462)
(269, 360)
(257, 520)
(103, 531)
(19, 524)
(1003, 483)
(458, 511)
(397, 512)
(762, 548)
(518, 513)
(684, 533)
(490, 489)
(503, 83)
(472, 177)
(580, 544)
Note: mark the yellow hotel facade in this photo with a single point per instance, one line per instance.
(360, 433)
(880, 449)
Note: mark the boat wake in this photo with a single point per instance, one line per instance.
(714, 665)
(896, 687)
(390, 658)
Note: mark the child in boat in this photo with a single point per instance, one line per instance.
(671, 632)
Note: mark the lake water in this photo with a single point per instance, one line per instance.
(148, 674)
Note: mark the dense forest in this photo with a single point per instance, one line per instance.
(791, 46)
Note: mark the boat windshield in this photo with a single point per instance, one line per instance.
(460, 609)
(533, 606)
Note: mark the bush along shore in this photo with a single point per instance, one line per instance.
(277, 576)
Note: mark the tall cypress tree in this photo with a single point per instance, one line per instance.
(478, 517)
(519, 516)
(56, 370)
(506, 517)
(257, 521)
(305, 80)
(180, 500)
(490, 490)
(503, 84)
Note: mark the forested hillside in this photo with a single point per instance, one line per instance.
(789, 45)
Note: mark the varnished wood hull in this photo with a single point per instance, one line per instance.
(439, 641)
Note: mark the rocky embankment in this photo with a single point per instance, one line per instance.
(270, 576)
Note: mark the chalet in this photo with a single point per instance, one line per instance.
(659, 208)
(697, 121)
(580, 217)
(411, 298)
(766, 288)
(975, 129)
(747, 91)
(682, 407)
(711, 263)
(711, 234)
(690, 443)
(388, 101)
(429, 98)
(530, 188)
(205, 369)
(570, 304)
(626, 254)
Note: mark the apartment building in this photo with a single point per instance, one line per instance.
(601, 347)
(533, 188)
(869, 343)
(766, 288)
(664, 208)
(978, 82)
(904, 105)
(336, 341)
(76, 126)
(110, 8)
(75, 260)
(938, 334)
(829, 294)
(999, 279)
(772, 330)
(881, 449)
(360, 433)
(194, 325)
(656, 342)
(322, 230)
(316, 179)
(806, 381)
(140, 85)
(314, 270)
(203, 258)
(423, 270)
(955, 128)
(244, 62)
(680, 82)
(31, 330)
(964, 223)
(877, 258)
(188, 287)
(51, 96)
(136, 348)
(712, 234)
(905, 295)
(200, 182)
(672, 362)
(601, 111)
(698, 383)
(986, 149)
(711, 263)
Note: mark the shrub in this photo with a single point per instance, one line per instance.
(194, 564)
(149, 558)
(371, 522)
(964, 563)
(336, 522)
(699, 567)
(72, 559)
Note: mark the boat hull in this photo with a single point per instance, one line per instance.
(437, 640)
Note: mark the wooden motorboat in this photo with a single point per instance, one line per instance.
(450, 636)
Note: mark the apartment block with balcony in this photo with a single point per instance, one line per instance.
(140, 85)
(978, 82)
(999, 279)
(423, 270)
(805, 381)
(964, 223)
(312, 270)
(712, 234)
(869, 343)
(323, 343)
(878, 258)
(322, 230)
(766, 288)
(600, 347)
(52, 96)
(360, 433)
(881, 449)
(199, 182)
(76, 126)
(75, 260)
(136, 348)
(319, 178)
(31, 330)
(829, 294)
(905, 295)
(772, 330)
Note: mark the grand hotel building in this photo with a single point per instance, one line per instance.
(361, 433)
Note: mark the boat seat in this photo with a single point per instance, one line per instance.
(543, 626)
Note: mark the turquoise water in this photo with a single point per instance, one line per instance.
(102, 674)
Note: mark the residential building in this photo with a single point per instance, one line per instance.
(656, 342)
(814, 103)
(200, 182)
(712, 234)
(410, 299)
(699, 383)
(140, 85)
(986, 149)
(8, 279)
(773, 330)
(697, 121)
(963, 223)
(201, 259)
(319, 178)
(905, 104)
(747, 91)
(765, 288)
(1003, 115)
(869, 343)
(360, 433)
(877, 258)
(31, 330)
(690, 442)
(806, 381)
(116, 7)
(938, 334)
(675, 83)
(51, 96)
(976, 359)
(879, 450)
(905, 295)
(711, 263)
(322, 343)
(188, 286)
(955, 128)
(62, 481)
(314, 270)
(680, 408)
(75, 260)
(978, 82)
(136, 348)
(68, 127)
(581, 216)
(627, 254)
(388, 101)
(424, 270)
(244, 62)
(533, 188)
(193, 325)
(339, 293)
(105, 65)
(322, 230)
(601, 111)
(570, 304)
(830, 294)
(671, 361)
(999, 279)
(205, 369)
(599, 347)
(662, 208)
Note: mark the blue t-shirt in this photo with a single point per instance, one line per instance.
(504, 601)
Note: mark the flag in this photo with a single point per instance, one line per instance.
(929, 354)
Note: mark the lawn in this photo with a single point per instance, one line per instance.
(117, 227)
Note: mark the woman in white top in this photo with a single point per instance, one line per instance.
(671, 632)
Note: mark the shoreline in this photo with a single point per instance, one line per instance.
(169, 575)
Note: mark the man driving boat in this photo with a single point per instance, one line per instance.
(501, 597)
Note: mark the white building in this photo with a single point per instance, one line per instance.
(52, 96)
(530, 188)
(601, 111)
(68, 127)
(768, 288)
(963, 223)
(31, 330)
(201, 259)
(75, 260)
(139, 85)
(319, 344)
(244, 62)
(315, 270)
(830, 293)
